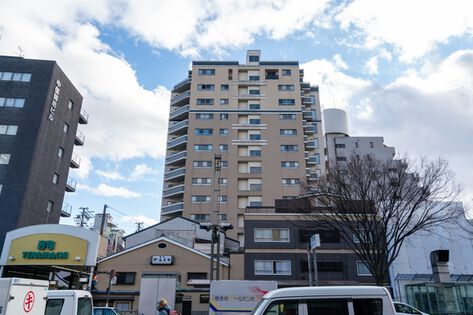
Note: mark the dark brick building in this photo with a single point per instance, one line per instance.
(40, 110)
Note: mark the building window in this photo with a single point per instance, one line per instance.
(223, 132)
(204, 116)
(9, 130)
(288, 132)
(60, 152)
(286, 87)
(291, 181)
(326, 236)
(271, 74)
(66, 128)
(287, 102)
(205, 101)
(341, 158)
(371, 145)
(254, 92)
(201, 181)
(272, 267)
(223, 116)
(15, 76)
(200, 198)
(126, 278)
(223, 217)
(253, 77)
(253, 58)
(256, 204)
(1, 187)
(230, 74)
(50, 206)
(254, 106)
(223, 199)
(287, 116)
(255, 152)
(202, 147)
(286, 72)
(223, 181)
(289, 164)
(206, 87)
(12, 102)
(254, 121)
(70, 105)
(196, 275)
(200, 217)
(223, 147)
(224, 87)
(340, 146)
(4, 158)
(55, 178)
(271, 235)
(255, 169)
(224, 163)
(356, 144)
(206, 72)
(224, 101)
(202, 164)
(203, 131)
(289, 148)
(362, 269)
(255, 137)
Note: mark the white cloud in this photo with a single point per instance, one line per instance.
(138, 218)
(372, 66)
(413, 27)
(140, 171)
(109, 191)
(339, 62)
(110, 175)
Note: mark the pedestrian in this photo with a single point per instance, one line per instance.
(163, 307)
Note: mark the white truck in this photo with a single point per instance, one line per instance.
(233, 297)
(22, 296)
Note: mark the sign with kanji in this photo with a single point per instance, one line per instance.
(28, 301)
(314, 241)
(162, 260)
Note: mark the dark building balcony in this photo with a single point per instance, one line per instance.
(308, 115)
(311, 144)
(179, 128)
(173, 208)
(66, 210)
(75, 161)
(182, 86)
(181, 99)
(312, 160)
(71, 185)
(83, 117)
(175, 174)
(180, 114)
(178, 143)
(80, 138)
(173, 191)
(307, 101)
(177, 158)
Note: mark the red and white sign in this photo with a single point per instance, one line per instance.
(28, 302)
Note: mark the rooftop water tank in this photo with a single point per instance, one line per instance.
(335, 121)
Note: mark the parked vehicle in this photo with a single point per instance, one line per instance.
(102, 310)
(69, 302)
(340, 300)
(22, 296)
(406, 309)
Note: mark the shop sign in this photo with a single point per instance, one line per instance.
(52, 108)
(45, 251)
(162, 260)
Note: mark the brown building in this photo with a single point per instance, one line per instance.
(240, 135)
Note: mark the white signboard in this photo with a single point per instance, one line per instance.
(314, 241)
(162, 260)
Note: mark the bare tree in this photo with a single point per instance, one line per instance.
(376, 205)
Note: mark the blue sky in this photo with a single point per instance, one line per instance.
(402, 69)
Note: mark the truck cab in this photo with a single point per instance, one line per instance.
(68, 302)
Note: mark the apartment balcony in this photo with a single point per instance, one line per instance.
(75, 161)
(179, 128)
(180, 114)
(71, 185)
(177, 158)
(182, 86)
(305, 87)
(249, 125)
(311, 144)
(66, 210)
(249, 142)
(309, 129)
(83, 117)
(308, 115)
(181, 99)
(173, 208)
(80, 138)
(251, 82)
(173, 191)
(312, 160)
(307, 101)
(175, 174)
(249, 96)
(178, 143)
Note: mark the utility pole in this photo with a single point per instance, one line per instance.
(83, 217)
(104, 213)
(139, 226)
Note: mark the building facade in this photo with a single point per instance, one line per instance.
(40, 110)
(240, 135)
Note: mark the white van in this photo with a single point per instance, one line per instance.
(69, 302)
(336, 300)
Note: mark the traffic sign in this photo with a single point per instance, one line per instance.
(314, 241)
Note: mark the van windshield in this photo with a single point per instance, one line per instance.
(257, 306)
(84, 306)
(54, 306)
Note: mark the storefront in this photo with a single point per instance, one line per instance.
(65, 255)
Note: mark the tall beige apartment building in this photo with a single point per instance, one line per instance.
(240, 135)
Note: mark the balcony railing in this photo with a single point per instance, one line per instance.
(80, 138)
(83, 117)
(175, 207)
(66, 210)
(180, 172)
(178, 142)
(75, 161)
(71, 185)
(308, 115)
(181, 156)
(180, 126)
(313, 160)
(184, 84)
(178, 98)
(311, 144)
(176, 190)
(180, 114)
(307, 101)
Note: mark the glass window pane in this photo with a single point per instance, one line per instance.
(84, 306)
(4, 158)
(19, 102)
(9, 102)
(12, 130)
(7, 76)
(16, 77)
(26, 77)
(327, 307)
(54, 306)
(3, 129)
(368, 306)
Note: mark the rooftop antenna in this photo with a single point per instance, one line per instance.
(21, 52)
